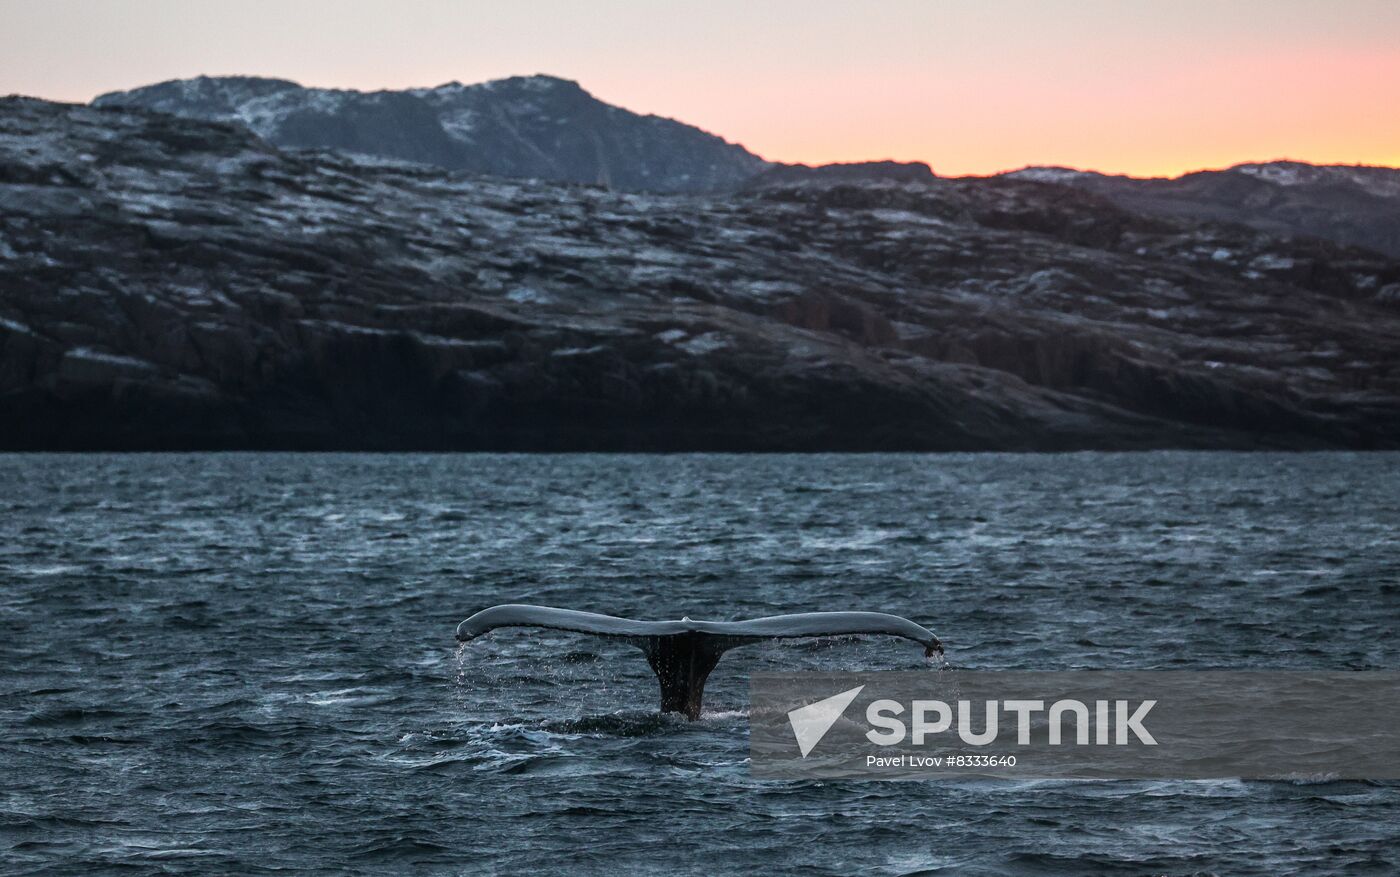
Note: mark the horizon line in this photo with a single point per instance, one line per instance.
(1188, 171)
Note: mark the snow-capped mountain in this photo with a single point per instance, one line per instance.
(525, 126)
(1349, 204)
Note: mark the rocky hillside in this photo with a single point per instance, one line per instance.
(848, 172)
(542, 127)
(169, 283)
(526, 126)
(1343, 203)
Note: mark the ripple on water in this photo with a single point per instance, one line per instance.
(240, 662)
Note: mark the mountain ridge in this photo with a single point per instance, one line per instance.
(547, 127)
(1349, 204)
(536, 126)
(1030, 170)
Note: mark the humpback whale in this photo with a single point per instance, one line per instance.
(682, 653)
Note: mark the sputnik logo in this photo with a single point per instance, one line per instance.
(811, 722)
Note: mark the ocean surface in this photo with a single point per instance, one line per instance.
(244, 663)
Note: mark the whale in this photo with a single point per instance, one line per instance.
(683, 653)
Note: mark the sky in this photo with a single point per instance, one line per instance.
(976, 87)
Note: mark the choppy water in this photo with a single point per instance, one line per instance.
(244, 663)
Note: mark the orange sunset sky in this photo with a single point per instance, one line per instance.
(1121, 86)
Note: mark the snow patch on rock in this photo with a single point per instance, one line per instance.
(706, 343)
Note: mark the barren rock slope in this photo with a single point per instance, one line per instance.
(171, 283)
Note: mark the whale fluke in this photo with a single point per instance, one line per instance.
(682, 653)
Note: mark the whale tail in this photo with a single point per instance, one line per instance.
(682, 662)
(683, 653)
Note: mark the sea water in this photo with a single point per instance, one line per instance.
(238, 663)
